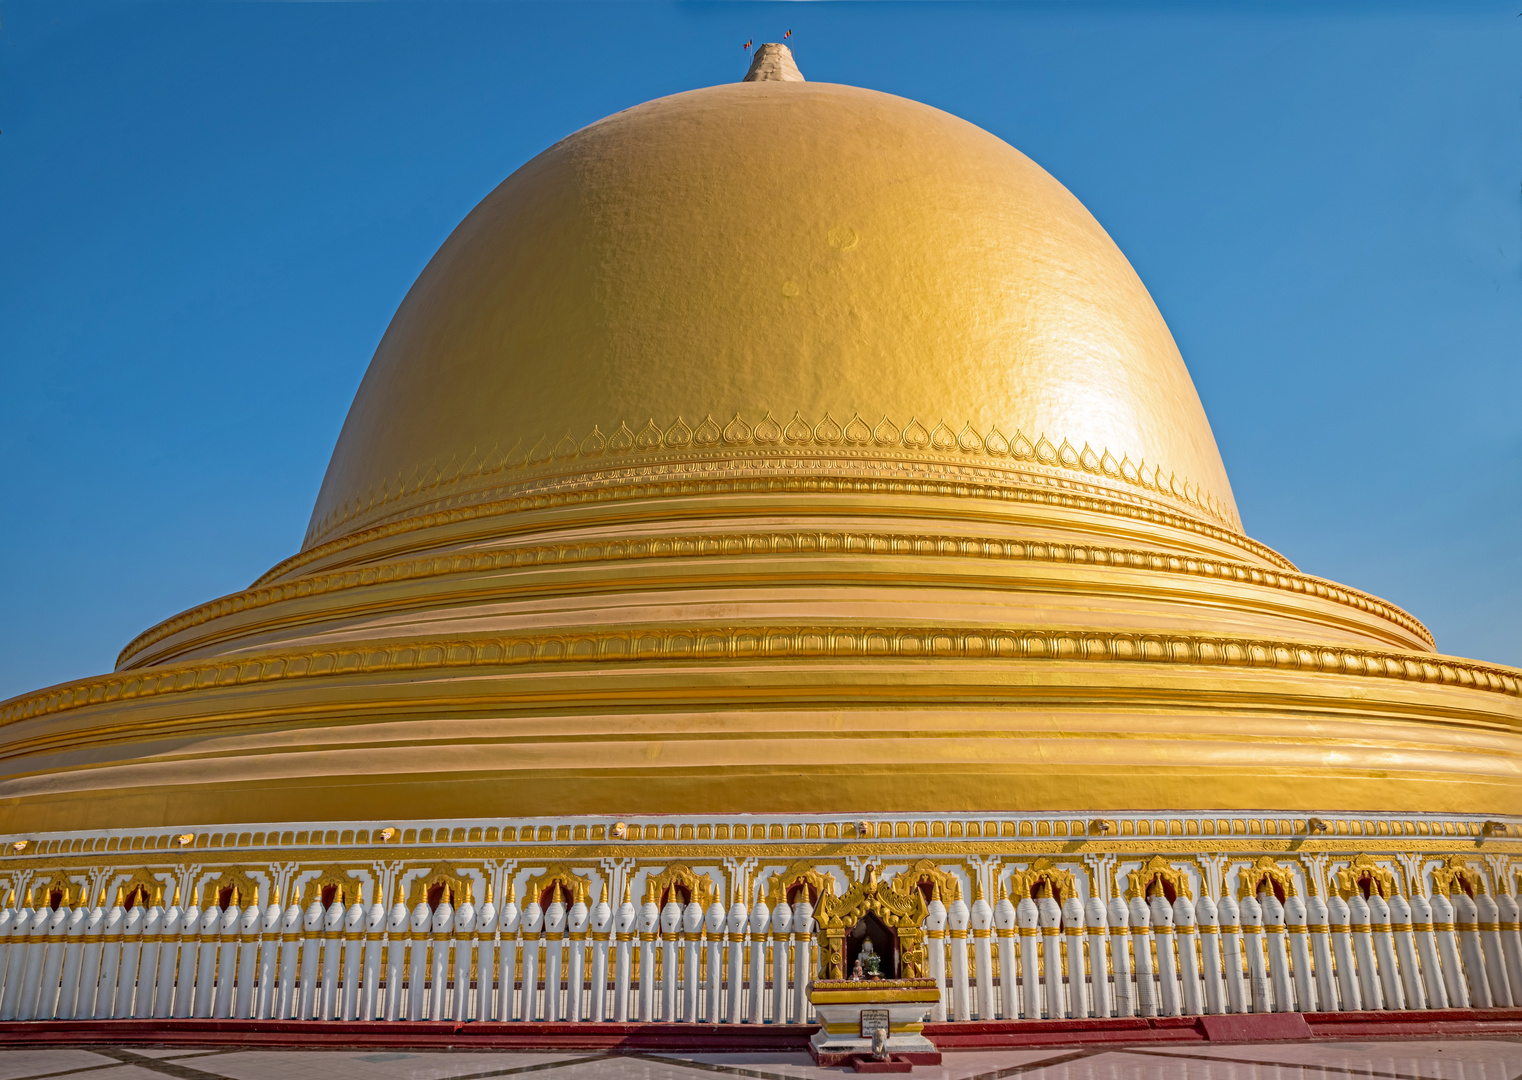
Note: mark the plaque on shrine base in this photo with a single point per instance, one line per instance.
(852, 1011)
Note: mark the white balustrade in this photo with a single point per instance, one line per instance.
(751, 963)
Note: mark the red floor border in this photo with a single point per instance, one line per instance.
(720, 1038)
(1250, 1027)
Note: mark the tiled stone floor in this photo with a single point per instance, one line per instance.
(1458, 1059)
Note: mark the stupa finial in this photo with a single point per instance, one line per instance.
(773, 62)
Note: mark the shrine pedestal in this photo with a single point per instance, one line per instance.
(851, 1009)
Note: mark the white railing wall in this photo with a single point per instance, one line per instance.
(752, 964)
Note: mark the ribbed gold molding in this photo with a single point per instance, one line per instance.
(728, 643)
(845, 477)
(803, 543)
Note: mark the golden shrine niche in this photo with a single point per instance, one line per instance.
(801, 877)
(1266, 873)
(680, 884)
(443, 883)
(1363, 876)
(332, 883)
(1454, 874)
(234, 888)
(55, 891)
(930, 881)
(1040, 880)
(573, 888)
(142, 888)
(1158, 877)
(889, 915)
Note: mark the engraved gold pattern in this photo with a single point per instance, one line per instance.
(455, 475)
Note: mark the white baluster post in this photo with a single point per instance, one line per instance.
(1193, 1003)
(1454, 982)
(1511, 942)
(190, 953)
(576, 920)
(1120, 957)
(1467, 923)
(1300, 953)
(1229, 915)
(266, 995)
(760, 925)
(554, 938)
(484, 943)
(1339, 920)
(1318, 921)
(935, 948)
(1252, 940)
(735, 939)
(1488, 915)
(1161, 915)
(1051, 956)
(1406, 956)
(463, 941)
(803, 952)
(649, 932)
(249, 924)
(624, 930)
(73, 956)
(1141, 950)
(981, 925)
(419, 927)
(291, 922)
(1384, 953)
(1009, 964)
(782, 923)
(1212, 963)
(692, 961)
(509, 921)
(713, 928)
(169, 953)
(356, 920)
(1278, 954)
(227, 962)
(602, 932)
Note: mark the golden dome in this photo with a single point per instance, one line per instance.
(776, 448)
(771, 263)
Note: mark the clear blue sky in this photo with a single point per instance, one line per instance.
(209, 212)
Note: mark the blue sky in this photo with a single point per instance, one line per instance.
(209, 212)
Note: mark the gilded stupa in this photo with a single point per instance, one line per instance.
(775, 474)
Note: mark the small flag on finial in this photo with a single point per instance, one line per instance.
(788, 34)
(746, 46)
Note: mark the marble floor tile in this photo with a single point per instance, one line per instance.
(16, 1064)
